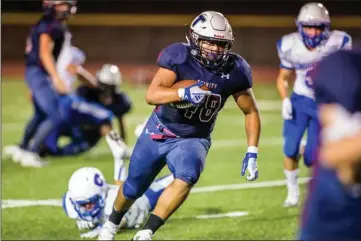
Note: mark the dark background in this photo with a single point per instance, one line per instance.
(189, 6)
(139, 45)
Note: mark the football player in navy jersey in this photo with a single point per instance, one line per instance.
(333, 210)
(43, 47)
(180, 138)
(88, 116)
(100, 105)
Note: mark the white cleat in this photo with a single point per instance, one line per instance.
(14, 152)
(143, 235)
(292, 200)
(108, 231)
(30, 159)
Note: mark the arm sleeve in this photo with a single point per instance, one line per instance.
(284, 63)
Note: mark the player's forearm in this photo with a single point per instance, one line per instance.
(253, 127)
(162, 95)
(282, 87)
(86, 76)
(343, 150)
(49, 64)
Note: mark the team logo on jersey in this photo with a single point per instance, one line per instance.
(225, 76)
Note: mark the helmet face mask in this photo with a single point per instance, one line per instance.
(210, 38)
(91, 208)
(87, 191)
(61, 10)
(313, 16)
(109, 79)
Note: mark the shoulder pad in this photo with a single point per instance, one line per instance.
(172, 55)
(339, 85)
(286, 42)
(340, 38)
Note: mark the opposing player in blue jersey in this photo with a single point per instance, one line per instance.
(42, 50)
(180, 138)
(299, 52)
(333, 210)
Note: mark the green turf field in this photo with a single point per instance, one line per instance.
(267, 218)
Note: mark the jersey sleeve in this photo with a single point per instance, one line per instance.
(122, 104)
(68, 207)
(171, 56)
(283, 46)
(53, 29)
(78, 56)
(346, 42)
(337, 80)
(243, 81)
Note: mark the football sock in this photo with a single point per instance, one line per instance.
(153, 223)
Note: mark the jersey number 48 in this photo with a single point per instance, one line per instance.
(206, 112)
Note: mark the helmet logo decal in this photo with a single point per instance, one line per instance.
(200, 18)
(98, 180)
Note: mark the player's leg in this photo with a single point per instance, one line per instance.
(186, 161)
(48, 102)
(16, 152)
(145, 164)
(312, 142)
(293, 131)
(32, 125)
(139, 211)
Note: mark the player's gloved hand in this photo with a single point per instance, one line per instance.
(250, 164)
(287, 109)
(116, 144)
(194, 94)
(93, 233)
(84, 225)
(136, 215)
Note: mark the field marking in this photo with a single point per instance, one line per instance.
(16, 203)
(234, 214)
(222, 215)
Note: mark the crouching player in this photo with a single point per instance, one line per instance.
(89, 201)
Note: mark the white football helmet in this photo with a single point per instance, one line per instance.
(49, 8)
(110, 75)
(87, 190)
(314, 14)
(213, 27)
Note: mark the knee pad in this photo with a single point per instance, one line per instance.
(131, 190)
(189, 178)
(308, 157)
(291, 148)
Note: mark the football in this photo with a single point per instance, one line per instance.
(184, 84)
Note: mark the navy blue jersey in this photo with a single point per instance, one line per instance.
(121, 103)
(332, 210)
(337, 80)
(199, 121)
(46, 25)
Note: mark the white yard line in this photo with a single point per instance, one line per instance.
(14, 203)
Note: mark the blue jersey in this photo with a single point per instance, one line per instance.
(46, 25)
(199, 121)
(333, 211)
(120, 105)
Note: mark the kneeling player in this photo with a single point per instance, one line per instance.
(89, 200)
